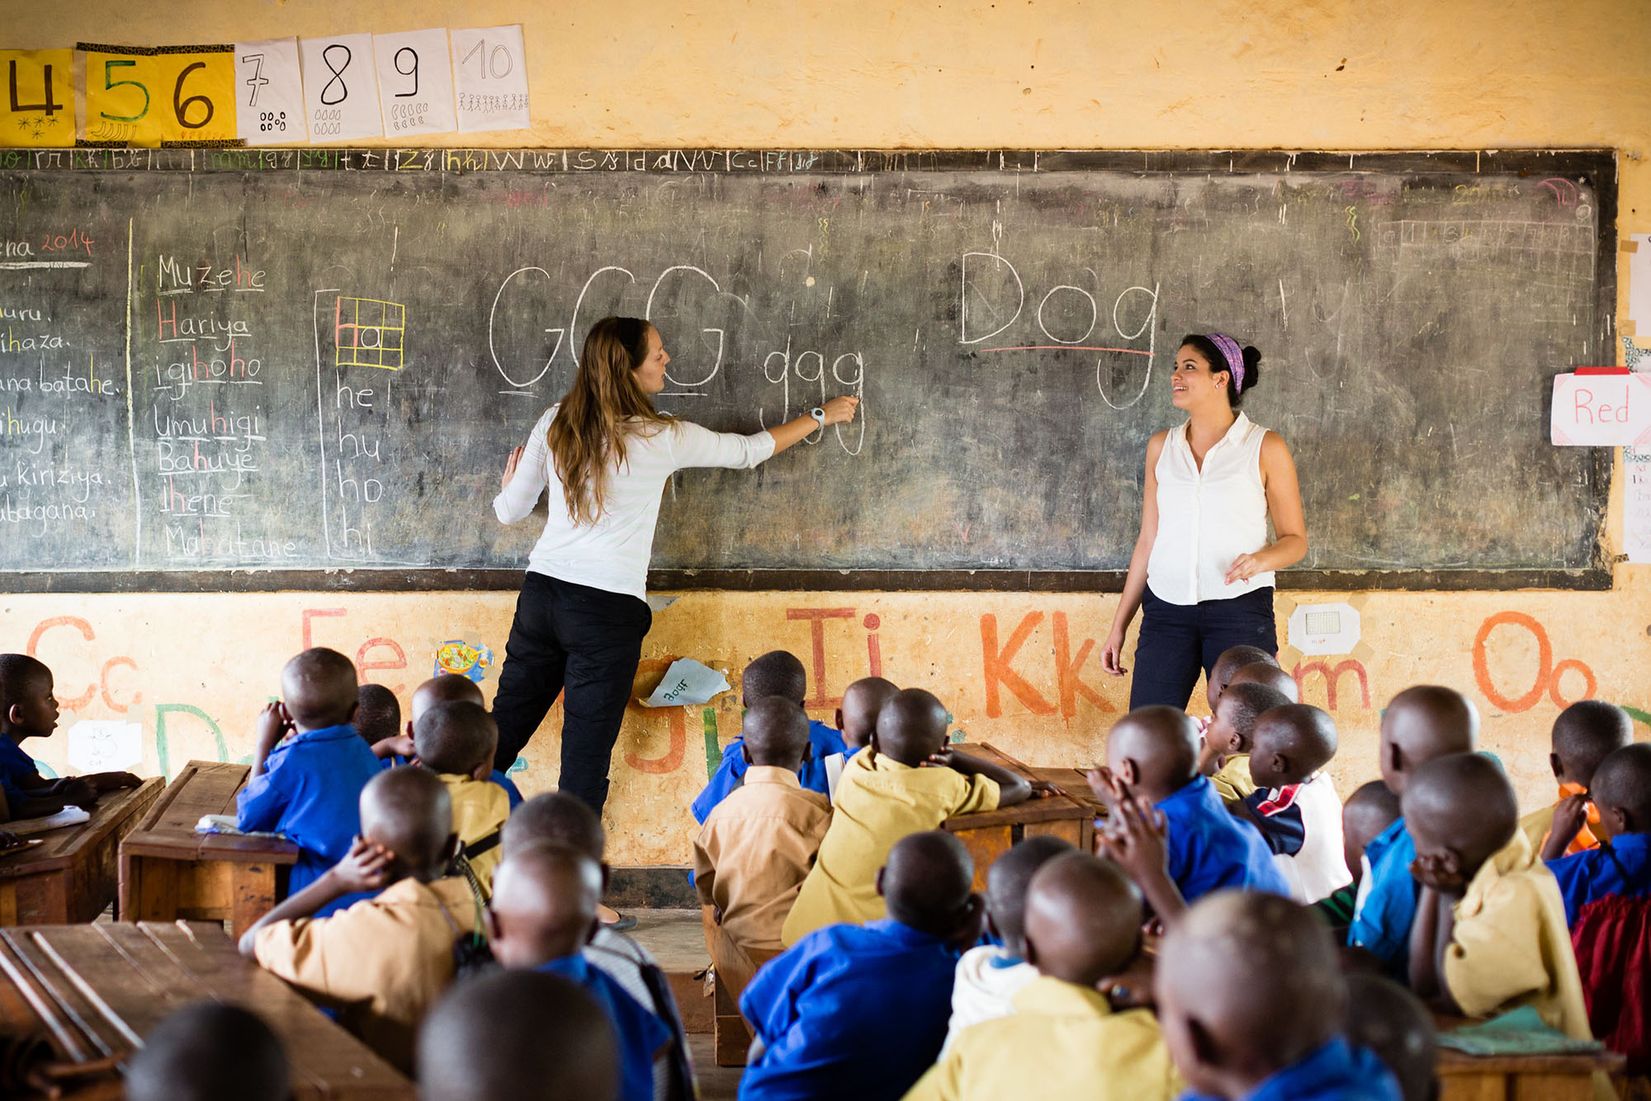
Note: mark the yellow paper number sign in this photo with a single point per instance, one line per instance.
(39, 104)
(142, 97)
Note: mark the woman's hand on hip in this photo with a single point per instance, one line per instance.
(1112, 654)
(841, 410)
(510, 465)
(1244, 567)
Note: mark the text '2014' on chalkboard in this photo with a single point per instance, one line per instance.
(239, 369)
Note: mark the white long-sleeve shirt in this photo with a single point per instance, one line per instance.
(612, 554)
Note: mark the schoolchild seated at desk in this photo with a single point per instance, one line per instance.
(1225, 754)
(1584, 734)
(208, 1051)
(452, 688)
(28, 709)
(456, 741)
(1295, 805)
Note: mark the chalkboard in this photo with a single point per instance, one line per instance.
(225, 368)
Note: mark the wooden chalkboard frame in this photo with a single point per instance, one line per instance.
(1595, 165)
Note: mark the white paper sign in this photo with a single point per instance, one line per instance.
(269, 92)
(340, 90)
(1318, 629)
(1639, 284)
(1636, 524)
(1602, 410)
(490, 73)
(104, 745)
(687, 682)
(415, 82)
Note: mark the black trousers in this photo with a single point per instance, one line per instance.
(1180, 641)
(583, 641)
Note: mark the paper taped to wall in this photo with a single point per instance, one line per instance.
(1601, 407)
(685, 683)
(1636, 521)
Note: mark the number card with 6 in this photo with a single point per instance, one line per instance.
(415, 82)
(340, 88)
(39, 105)
(269, 93)
(146, 96)
(490, 69)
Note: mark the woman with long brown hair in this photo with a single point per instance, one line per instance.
(605, 454)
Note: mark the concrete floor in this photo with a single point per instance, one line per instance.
(677, 941)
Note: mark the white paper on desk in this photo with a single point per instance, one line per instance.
(1636, 521)
(687, 682)
(68, 816)
(104, 745)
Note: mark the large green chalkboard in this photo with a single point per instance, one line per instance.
(226, 368)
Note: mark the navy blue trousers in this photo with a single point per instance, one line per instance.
(1180, 641)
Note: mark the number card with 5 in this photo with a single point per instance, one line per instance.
(39, 108)
(149, 96)
(340, 89)
(269, 92)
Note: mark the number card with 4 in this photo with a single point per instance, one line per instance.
(340, 89)
(490, 68)
(415, 82)
(269, 92)
(39, 108)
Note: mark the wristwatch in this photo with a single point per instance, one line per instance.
(819, 416)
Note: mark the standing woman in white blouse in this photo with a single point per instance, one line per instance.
(1202, 571)
(605, 454)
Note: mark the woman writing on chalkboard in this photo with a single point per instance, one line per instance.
(1202, 571)
(605, 454)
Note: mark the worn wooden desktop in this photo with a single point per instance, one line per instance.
(71, 875)
(1464, 1077)
(989, 835)
(96, 990)
(168, 871)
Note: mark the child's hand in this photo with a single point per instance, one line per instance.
(1105, 786)
(1135, 835)
(952, 759)
(1130, 988)
(1443, 873)
(1569, 817)
(510, 464)
(366, 868)
(76, 792)
(273, 724)
(1043, 789)
(397, 745)
(113, 781)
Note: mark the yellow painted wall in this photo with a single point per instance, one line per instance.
(1296, 74)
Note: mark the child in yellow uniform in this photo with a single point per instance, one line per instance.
(456, 741)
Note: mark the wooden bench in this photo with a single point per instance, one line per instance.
(1464, 1077)
(95, 990)
(989, 835)
(71, 875)
(168, 871)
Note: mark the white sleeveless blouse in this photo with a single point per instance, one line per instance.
(1208, 517)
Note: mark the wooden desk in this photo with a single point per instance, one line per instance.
(1465, 1077)
(168, 871)
(71, 876)
(96, 990)
(989, 835)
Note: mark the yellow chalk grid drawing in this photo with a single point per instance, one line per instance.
(368, 332)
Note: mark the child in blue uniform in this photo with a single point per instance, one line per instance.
(29, 710)
(776, 673)
(1621, 865)
(1252, 1001)
(308, 787)
(860, 1011)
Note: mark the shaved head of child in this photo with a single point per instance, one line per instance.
(911, 727)
(1585, 734)
(554, 818)
(1622, 791)
(444, 688)
(510, 1035)
(1423, 723)
(207, 1051)
(1392, 1023)
(1232, 725)
(1231, 661)
(1268, 673)
(544, 905)
(775, 733)
(1247, 984)
(377, 713)
(862, 701)
(776, 673)
(408, 811)
(1291, 744)
(1083, 919)
(1460, 808)
(457, 739)
(928, 884)
(26, 703)
(319, 689)
(1006, 883)
(1368, 811)
(1154, 750)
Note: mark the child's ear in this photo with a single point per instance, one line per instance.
(14, 715)
(1559, 770)
(1204, 1047)
(482, 771)
(1618, 820)
(1129, 771)
(880, 872)
(1235, 742)
(1280, 764)
(838, 716)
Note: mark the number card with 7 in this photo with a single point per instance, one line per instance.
(269, 93)
(39, 105)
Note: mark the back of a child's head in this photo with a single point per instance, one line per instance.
(21, 677)
(1267, 673)
(455, 738)
(1365, 815)
(1292, 742)
(1242, 704)
(1247, 979)
(911, 727)
(1461, 802)
(377, 713)
(1006, 883)
(543, 905)
(928, 884)
(862, 701)
(409, 812)
(509, 1035)
(776, 673)
(1083, 919)
(1622, 790)
(554, 818)
(208, 1051)
(775, 730)
(319, 688)
(1584, 734)
(444, 688)
(1393, 1024)
(1231, 661)
(1155, 749)
(1423, 723)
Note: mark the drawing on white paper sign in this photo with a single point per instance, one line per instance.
(105, 745)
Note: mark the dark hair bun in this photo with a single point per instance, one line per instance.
(1252, 368)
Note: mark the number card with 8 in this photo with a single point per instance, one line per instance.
(340, 88)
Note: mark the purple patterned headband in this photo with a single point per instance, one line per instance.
(1233, 354)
